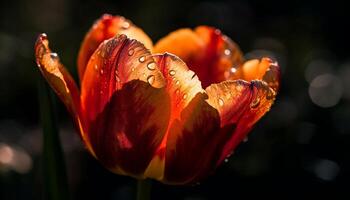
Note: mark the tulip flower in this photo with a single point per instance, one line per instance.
(172, 111)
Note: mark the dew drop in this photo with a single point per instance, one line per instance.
(54, 55)
(230, 154)
(151, 79)
(221, 102)
(227, 52)
(177, 91)
(142, 59)
(172, 72)
(255, 103)
(185, 96)
(177, 82)
(126, 25)
(151, 66)
(96, 67)
(245, 139)
(233, 70)
(131, 52)
(226, 160)
(133, 69)
(101, 72)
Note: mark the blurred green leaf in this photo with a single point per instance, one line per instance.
(56, 186)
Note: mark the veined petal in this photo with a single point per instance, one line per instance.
(194, 124)
(206, 126)
(205, 50)
(61, 82)
(105, 28)
(116, 62)
(126, 107)
(181, 85)
(241, 103)
(127, 133)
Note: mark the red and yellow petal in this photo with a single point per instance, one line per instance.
(127, 133)
(116, 62)
(205, 50)
(194, 124)
(240, 103)
(125, 105)
(61, 82)
(105, 28)
(218, 119)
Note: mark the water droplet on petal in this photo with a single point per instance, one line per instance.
(255, 103)
(230, 154)
(245, 139)
(131, 52)
(172, 72)
(101, 72)
(226, 160)
(151, 79)
(177, 82)
(151, 66)
(185, 96)
(125, 25)
(221, 102)
(233, 70)
(177, 91)
(133, 69)
(142, 59)
(96, 67)
(54, 55)
(227, 52)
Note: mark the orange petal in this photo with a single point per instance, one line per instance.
(264, 69)
(207, 125)
(193, 125)
(195, 141)
(241, 103)
(127, 133)
(126, 108)
(182, 84)
(116, 62)
(61, 82)
(107, 27)
(205, 50)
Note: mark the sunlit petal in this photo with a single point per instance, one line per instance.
(127, 108)
(105, 28)
(241, 103)
(61, 82)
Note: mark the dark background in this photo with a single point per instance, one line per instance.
(300, 149)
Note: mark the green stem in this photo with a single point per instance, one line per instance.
(55, 178)
(144, 189)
